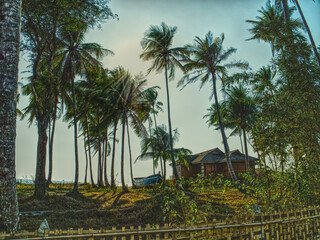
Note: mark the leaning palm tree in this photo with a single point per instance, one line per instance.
(157, 147)
(75, 57)
(204, 62)
(157, 46)
(238, 114)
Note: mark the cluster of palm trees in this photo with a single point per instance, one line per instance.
(109, 98)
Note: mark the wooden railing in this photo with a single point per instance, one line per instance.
(301, 224)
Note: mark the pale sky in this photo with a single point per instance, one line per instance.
(123, 36)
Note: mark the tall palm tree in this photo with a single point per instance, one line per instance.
(157, 46)
(77, 56)
(129, 90)
(157, 147)
(9, 61)
(204, 63)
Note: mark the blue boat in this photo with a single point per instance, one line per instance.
(148, 180)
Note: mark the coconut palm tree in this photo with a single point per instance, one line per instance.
(75, 57)
(9, 61)
(157, 147)
(204, 63)
(272, 27)
(237, 112)
(157, 47)
(284, 4)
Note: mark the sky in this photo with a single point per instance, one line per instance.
(188, 106)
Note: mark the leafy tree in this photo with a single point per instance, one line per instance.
(204, 63)
(157, 46)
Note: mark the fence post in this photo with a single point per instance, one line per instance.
(131, 230)
(123, 229)
(166, 235)
(139, 229)
(157, 234)
(113, 230)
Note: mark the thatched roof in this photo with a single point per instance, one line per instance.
(217, 156)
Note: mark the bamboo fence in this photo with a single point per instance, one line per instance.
(301, 224)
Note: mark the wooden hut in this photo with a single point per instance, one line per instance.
(214, 162)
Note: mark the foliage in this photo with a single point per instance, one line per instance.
(178, 207)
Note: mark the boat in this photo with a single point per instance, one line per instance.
(153, 179)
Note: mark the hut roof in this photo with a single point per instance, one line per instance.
(215, 155)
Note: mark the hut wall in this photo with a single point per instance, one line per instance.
(193, 171)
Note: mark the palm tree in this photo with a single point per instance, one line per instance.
(204, 62)
(237, 114)
(157, 147)
(77, 56)
(9, 61)
(286, 11)
(272, 28)
(129, 90)
(157, 46)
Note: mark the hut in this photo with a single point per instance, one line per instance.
(214, 162)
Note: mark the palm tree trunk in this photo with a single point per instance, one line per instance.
(246, 150)
(241, 141)
(316, 53)
(151, 147)
(89, 152)
(40, 178)
(286, 9)
(130, 156)
(100, 183)
(124, 187)
(164, 170)
(106, 182)
(174, 167)
(9, 61)
(113, 183)
(51, 138)
(86, 153)
(224, 138)
(76, 177)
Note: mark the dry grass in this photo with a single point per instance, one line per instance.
(95, 208)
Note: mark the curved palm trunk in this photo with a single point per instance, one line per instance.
(9, 61)
(89, 153)
(40, 179)
(113, 183)
(130, 156)
(124, 187)
(174, 167)
(106, 182)
(246, 149)
(224, 138)
(76, 177)
(51, 138)
(316, 53)
(156, 126)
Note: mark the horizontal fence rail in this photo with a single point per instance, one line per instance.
(302, 224)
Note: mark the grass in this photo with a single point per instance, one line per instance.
(96, 208)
